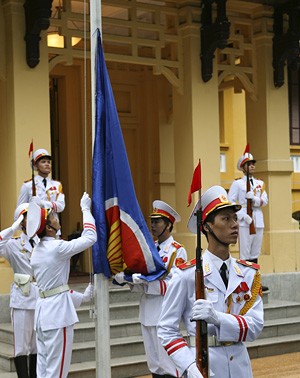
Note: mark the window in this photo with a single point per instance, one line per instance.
(222, 163)
(294, 106)
(296, 162)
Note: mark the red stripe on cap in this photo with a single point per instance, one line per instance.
(43, 220)
(213, 205)
(164, 214)
(39, 156)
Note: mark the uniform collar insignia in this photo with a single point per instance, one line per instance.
(237, 270)
(207, 269)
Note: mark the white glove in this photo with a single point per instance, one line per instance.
(256, 201)
(88, 293)
(254, 198)
(47, 204)
(193, 371)
(247, 218)
(85, 202)
(37, 200)
(203, 310)
(250, 195)
(136, 278)
(119, 277)
(17, 223)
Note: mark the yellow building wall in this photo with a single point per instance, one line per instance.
(24, 116)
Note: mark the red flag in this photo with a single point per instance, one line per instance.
(30, 148)
(247, 149)
(196, 182)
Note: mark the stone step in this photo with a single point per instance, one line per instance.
(117, 294)
(125, 367)
(274, 346)
(281, 327)
(6, 357)
(85, 331)
(122, 347)
(277, 309)
(129, 309)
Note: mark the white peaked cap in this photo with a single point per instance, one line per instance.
(36, 219)
(41, 152)
(244, 159)
(21, 209)
(215, 198)
(162, 209)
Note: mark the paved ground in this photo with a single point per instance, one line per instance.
(287, 365)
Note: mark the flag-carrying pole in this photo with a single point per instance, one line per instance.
(101, 283)
(201, 325)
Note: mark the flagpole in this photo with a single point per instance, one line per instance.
(102, 321)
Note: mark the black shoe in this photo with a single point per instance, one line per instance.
(264, 288)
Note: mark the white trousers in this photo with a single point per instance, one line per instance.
(24, 334)
(54, 352)
(250, 245)
(158, 360)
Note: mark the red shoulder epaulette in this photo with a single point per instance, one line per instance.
(249, 264)
(176, 245)
(28, 180)
(187, 264)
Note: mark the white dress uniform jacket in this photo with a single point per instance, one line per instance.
(237, 193)
(52, 193)
(17, 251)
(230, 361)
(150, 306)
(51, 265)
(153, 292)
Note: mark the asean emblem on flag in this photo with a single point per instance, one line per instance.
(127, 249)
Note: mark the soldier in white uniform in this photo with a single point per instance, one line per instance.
(250, 245)
(48, 190)
(233, 307)
(55, 313)
(172, 253)
(23, 293)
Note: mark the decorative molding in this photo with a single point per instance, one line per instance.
(37, 15)
(133, 32)
(213, 34)
(286, 43)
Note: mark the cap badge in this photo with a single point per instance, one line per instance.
(223, 198)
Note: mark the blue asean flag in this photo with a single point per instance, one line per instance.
(124, 241)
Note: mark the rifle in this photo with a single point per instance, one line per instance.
(32, 168)
(201, 325)
(249, 204)
(32, 177)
